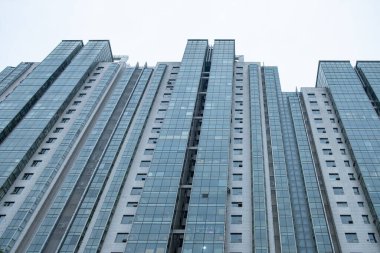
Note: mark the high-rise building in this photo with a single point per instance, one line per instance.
(203, 155)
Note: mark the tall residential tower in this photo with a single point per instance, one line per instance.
(203, 155)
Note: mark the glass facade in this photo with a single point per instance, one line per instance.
(203, 155)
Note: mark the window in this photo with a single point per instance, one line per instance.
(77, 102)
(121, 237)
(339, 140)
(324, 95)
(356, 190)
(238, 164)
(338, 190)
(365, 219)
(99, 68)
(316, 111)
(70, 111)
(327, 151)
(140, 177)
(156, 130)
(336, 130)
(17, 190)
(324, 140)
(96, 74)
(159, 120)
(145, 163)
(238, 130)
(152, 140)
(127, 219)
(321, 130)
(132, 204)
(86, 87)
(347, 163)
(372, 238)
(342, 204)
(318, 120)
(64, 120)
(239, 120)
(313, 103)
(343, 151)
(238, 140)
(238, 151)
(91, 80)
(352, 237)
(329, 111)
(148, 151)
(236, 219)
(237, 191)
(311, 95)
(36, 162)
(327, 103)
(346, 219)
(51, 140)
(58, 130)
(237, 204)
(27, 176)
(332, 120)
(43, 151)
(81, 95)
(2, 217)
(361, 204)
(236, 237)
(8, 203)
(351, 176)
(334, 176)
(237, 177)
(330, 163)
(136, 191)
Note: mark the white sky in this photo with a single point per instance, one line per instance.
(291, 34)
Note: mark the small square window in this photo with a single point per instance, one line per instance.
(334, 176)
(351, 176)
(27, 176)
(330, 163)
(342, 204)
(152, 140)
(238, 130)
(372, 238)
(316, 111)
(148, 151)
(318, 120)
(338, 190)
(81, 95)
(339, 140)
(313, 103)
(2, 217)
(64, 120)
(347, 163)
(127, 219)
(141, 177)
(17, 190)
(332, 120)
(343, 151)
(324, 140)
(237, 177)
(159, 120)
(336, 130)
(238, 164)
(352, 237)
(236, 238)
(321, 130)
(238, 140)
(346, 219)
(8, 203)
(361, 204)
(238, 151)
(356, 190)
(145, 163)
(327, 103)
(121, 237)
(51, 140)
(311, 95)
(43, 151)
(237, 204)
(136, 191)
(86, 87)
(365, 219)
(99, 68)
(237, 191)
(77, 102)
(70, 111)
(236, 219)
(155, 130)
(35, 163)
(58, 130)
(327, 151)
(132, 204)
(96, 74)
(329, 111)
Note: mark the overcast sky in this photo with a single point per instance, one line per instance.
(291, 34)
